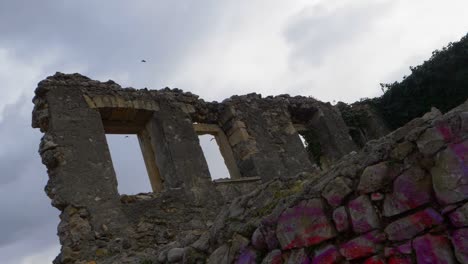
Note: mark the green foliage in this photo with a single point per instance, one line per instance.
(441, 82)
(353, 117)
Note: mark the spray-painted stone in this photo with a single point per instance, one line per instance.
(433, 249)
(459, 217)
(298, 256)
(410, 190)
(363, 215)
(450, 174)
(335, 191)
(327, 254)
(460, 244)
(377, 196)
(340, 217)
(304, 225)
(375, 260)
(408, 227)
(399, 260)
(365, 245)
(274, 257)
(247, 256)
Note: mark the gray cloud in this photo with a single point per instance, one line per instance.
(316, 31)
(109, 39)
(25, 207)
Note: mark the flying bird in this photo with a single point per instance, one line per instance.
(143, 61)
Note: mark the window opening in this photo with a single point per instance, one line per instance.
(128, 162)
(215, 160)
(304, 143)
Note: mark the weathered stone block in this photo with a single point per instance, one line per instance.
(304, 225)
(450, 174)
(298, 256)
(363, 216)
(430, 141)
(264, 237)
(274, 257)
(335, 191)
(340, 217)
(460, 243)
(410, 190)
(408, 227)
(238, 136)
(403, 249)
(175, 255)
(377, 176)
(375, 260)
(247, 256)
(365, 245)
(464, 122)
(399, 260)
(327, 254)
(402, 150)
(433, 249)
(220, 255)
(459, 217)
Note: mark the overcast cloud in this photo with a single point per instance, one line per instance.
(329, 49)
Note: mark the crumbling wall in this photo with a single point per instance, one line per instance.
(98, 224)
(402, 199)
(364, 122)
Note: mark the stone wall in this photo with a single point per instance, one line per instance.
(257, 136)
(401, 199)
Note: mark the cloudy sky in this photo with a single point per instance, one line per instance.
(329, 49)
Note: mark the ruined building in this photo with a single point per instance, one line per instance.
(402, 198)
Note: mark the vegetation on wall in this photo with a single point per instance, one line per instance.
(441, 82)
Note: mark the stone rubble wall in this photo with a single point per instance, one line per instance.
(402, 199)
(100, 225)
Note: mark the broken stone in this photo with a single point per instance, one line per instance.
(399, 260)
(375, 177)
(247, 256)
(375, 260)
(450, 174)
(459, 241)
(175, 255)
(363, 215)
(377, 196)
(410, 190)
(408, 227)
(430, 141)
(335, 191)
(340, 217)
(298, 256)
(327, 254)
(433, 114)
(459, 217)
(304, 225)
(363, 246)
(402, 150)
(433, 249)
(274, 257)
(220, 255)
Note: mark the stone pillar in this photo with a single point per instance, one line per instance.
(82, 181)
(331, 132)
(178, 154)
(264, 140)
